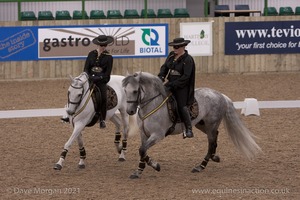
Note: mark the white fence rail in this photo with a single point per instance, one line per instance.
(61, 111)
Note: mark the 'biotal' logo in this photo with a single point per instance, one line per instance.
(150, 38)
(147, 34)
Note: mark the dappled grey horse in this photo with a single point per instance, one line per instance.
(146, 95)
(81, 113)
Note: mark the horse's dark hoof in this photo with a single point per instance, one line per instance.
(81, 166)
(122, 159)
(197, 169)
(134, 176)
(57, 167)
(216, 159)
(157, 168)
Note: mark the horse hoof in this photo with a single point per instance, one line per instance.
(57, 167)
(157, 168)
(81, 166)
(197, 169)
(134, 176)
(216, 159)
(122, 159)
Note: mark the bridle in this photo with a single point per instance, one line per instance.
(72, 102)
(84, 94)
(139, 100)
(146, 102)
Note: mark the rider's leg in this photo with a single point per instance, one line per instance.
(186, 118)
(103, 104)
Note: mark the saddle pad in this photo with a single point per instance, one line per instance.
(173, 113)
(112, 99)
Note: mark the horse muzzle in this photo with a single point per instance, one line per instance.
(70, 111)
(130, 111)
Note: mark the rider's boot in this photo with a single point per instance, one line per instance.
(102, 117)
(185, 115)
(102, 124)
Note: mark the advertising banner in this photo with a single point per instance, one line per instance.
(200, 34)
(74, 42)
(272, 37)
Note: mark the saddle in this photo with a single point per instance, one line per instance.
(174, 115)
(173, 111)
(112, 101)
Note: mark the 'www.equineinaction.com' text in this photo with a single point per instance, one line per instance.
(274, 191)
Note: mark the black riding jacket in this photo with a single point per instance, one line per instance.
(181, 76)
(99, 67)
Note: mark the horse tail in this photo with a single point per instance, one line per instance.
(239, 134)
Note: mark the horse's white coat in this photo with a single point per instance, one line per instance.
(79, 93)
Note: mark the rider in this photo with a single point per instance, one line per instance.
(98, 66)
(179, 70)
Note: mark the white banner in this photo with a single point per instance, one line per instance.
(147, 40)
(200, 34)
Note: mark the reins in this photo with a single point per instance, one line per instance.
(155, 109)
(86, 102)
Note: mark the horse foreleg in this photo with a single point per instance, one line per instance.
(144, 158)
(212, 146)
(152, 163)
(81, 164)
(76, 132)
(59, 164)
(142, 166)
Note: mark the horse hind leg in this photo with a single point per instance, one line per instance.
(212, 146)
(121, 148)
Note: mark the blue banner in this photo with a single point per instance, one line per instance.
(75, 42)
(272, 37)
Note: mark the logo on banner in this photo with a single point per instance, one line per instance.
(16, 43)
(147, 39)
(150, 38)
(76, 42)
(200, 34)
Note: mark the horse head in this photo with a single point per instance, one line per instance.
(76, 92)
(132, 90)
(140, 88)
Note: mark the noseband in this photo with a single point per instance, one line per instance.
(138, 98)
(77, 88)
(72, 102)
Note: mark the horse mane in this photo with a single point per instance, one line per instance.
(146, 79)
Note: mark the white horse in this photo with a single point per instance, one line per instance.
(80, 109)
(146, 94)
